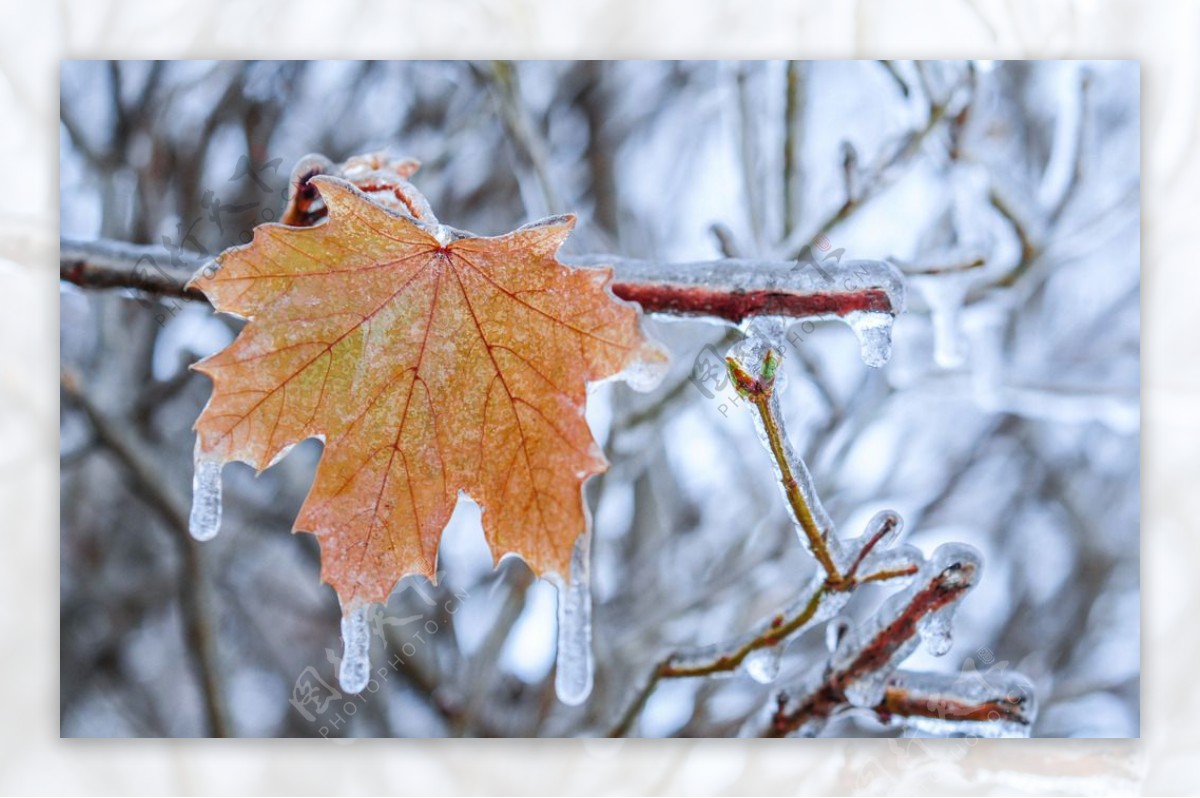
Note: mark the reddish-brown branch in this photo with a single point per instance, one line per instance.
(738, 305)
(941, 591)
(904, 702)
(736, 290)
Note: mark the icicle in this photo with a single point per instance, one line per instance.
(355, 670)
(762, 665)
(205, 520)
(573, 678)
(873, 328)
(874, 333)
(835, 634)
(891, 566)
(935, 631)
(945, 295)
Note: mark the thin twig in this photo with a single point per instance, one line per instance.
(778, 629)
(506, 87)
(793, 126)
(758, 389)
(748, 150)
(903, 700)
(871, 185)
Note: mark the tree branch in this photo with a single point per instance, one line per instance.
(931, 696)
(944, 588)
(730, 289)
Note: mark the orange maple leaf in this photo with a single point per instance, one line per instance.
(429, 361)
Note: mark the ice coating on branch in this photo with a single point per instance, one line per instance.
(867, 690)
(995, 703)
(573, 677)
(866, 294)
(878, 646)
(750, 354)
(205, 519)
(936, 631)
(762, 332)
(945, 295)
(894, 566)
(885, 528)
(881, 532)
(645, 374)
(772, 628)
(355, 669)
(762, 665)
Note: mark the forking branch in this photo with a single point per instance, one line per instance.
(921, 610)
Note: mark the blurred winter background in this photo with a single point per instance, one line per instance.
(1008, 417)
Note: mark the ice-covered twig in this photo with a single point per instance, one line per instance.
(862, 663)
(772, 633)
(731, 289)
(503, 79)
(758, 388)
(752, 369)
(982, 705)
(793, 123)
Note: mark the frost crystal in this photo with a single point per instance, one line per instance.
(205, 519)
(355, 670)
(573, 677)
